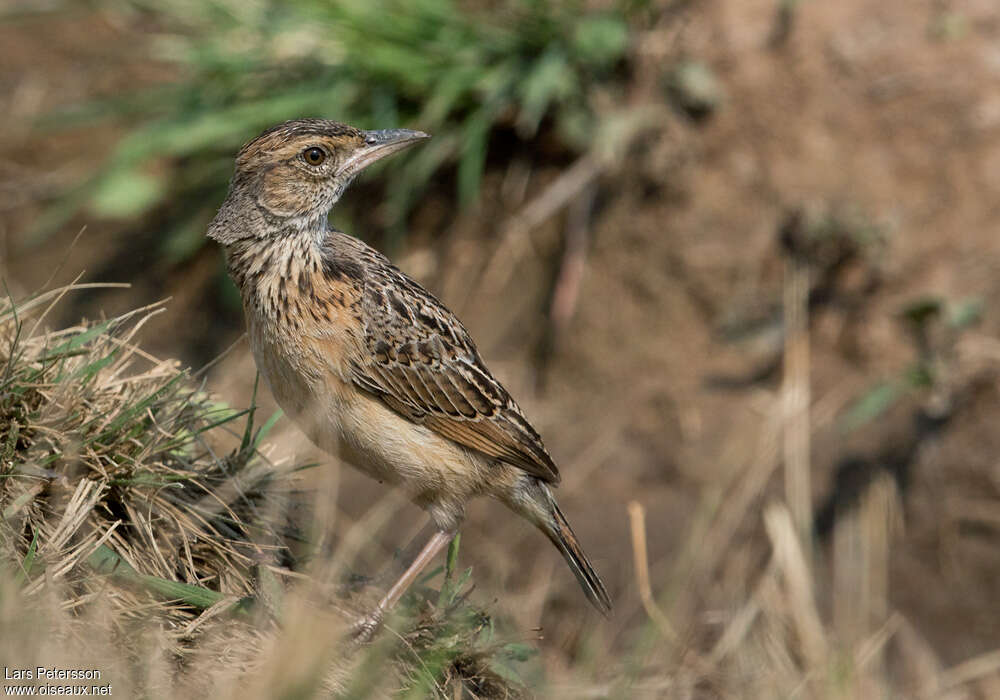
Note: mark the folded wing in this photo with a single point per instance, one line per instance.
(422, 363)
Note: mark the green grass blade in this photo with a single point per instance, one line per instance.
(106, 562)
(29, 559)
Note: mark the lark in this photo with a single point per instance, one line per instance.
(368, 363)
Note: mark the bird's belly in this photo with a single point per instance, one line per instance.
(439, 475)
(419, 458)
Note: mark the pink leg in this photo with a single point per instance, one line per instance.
(438, 541)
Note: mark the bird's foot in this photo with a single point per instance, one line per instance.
(363, 631)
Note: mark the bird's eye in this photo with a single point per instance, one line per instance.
(314, 155)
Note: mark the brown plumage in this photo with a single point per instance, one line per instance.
(368, 363)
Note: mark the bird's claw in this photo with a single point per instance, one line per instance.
(364, 629)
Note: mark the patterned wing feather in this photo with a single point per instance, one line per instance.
(422, 363)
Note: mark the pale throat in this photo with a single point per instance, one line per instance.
(261, 265)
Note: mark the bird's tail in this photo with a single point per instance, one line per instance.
(542, 509)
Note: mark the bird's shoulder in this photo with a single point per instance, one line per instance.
(421, 361)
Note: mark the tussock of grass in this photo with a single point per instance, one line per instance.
(106, 468)
(119, 507)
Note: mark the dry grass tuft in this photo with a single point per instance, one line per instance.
(107, 468)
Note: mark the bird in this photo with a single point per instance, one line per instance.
(370, 365)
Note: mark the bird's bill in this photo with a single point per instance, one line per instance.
(378, 145)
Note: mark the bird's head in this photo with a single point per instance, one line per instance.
(299, 169)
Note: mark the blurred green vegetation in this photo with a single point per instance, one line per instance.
(934, 325)
(456, 70)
